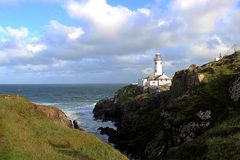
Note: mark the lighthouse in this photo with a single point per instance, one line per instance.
(158, 69)
(157, 81)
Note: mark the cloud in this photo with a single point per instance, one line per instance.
(100, 14)
(17, 33)
(30, 68)
(145, 11)
(35, 48)
(118, 42)
(201, 16)
(16, 45)
(56, 31)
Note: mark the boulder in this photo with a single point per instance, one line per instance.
(107, 131)
(103, 109)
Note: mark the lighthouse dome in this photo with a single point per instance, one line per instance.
(158, 57)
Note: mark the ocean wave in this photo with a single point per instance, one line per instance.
(47, 103)
(71, 114)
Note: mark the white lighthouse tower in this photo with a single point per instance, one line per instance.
(158, 69)
(158, 81)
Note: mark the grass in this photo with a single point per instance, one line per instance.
(27, 134)
(222, 140)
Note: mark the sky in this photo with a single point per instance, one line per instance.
(110, 41)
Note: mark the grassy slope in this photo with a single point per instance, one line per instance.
(29, 134)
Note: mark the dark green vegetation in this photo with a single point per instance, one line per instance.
(196, 119)
(31, 132)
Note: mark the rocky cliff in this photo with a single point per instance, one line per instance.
(188, 122)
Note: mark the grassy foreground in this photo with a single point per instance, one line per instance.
(27, 133)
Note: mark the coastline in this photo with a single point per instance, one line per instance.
(76, 100)
(199, 114)
(43, 132)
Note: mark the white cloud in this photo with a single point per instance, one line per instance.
(201, 16)
(145, 11)
(17, 33)
(100, 14)
(3, 58)
(161, 23)
(59, 63)
(16, 45)
(147, 71)
(58, 30)
(30, 68)
(119, 42)
(131, 58)
(189, 4)
(35, 48)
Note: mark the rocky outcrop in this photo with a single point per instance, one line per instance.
(185, 80)
(75, 125)
(234, 90)
(149, 125)
(112, 109)
(103, 110)
(55, 114)
(138, 127)
(108, 131)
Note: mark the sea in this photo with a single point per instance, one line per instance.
(77, 101)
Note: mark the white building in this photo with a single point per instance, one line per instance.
(219, 58)
(158, 79)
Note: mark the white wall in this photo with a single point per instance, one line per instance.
(142, 82)
(164, 82)
(158, 70)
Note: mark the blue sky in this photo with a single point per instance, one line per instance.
(110, 41)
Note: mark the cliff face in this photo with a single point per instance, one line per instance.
(185, 80)
(167, 125)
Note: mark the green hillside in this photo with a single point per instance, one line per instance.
(31, 132)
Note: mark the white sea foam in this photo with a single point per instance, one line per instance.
(71, 114)
(46, 103)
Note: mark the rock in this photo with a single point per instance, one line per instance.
(157, 147)
(204, 115)
(234, 90)
(185, 80)
(103, 110)
(192, 67)
(189, 131)
(76, 126)
(108, 131)
(54, 113)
